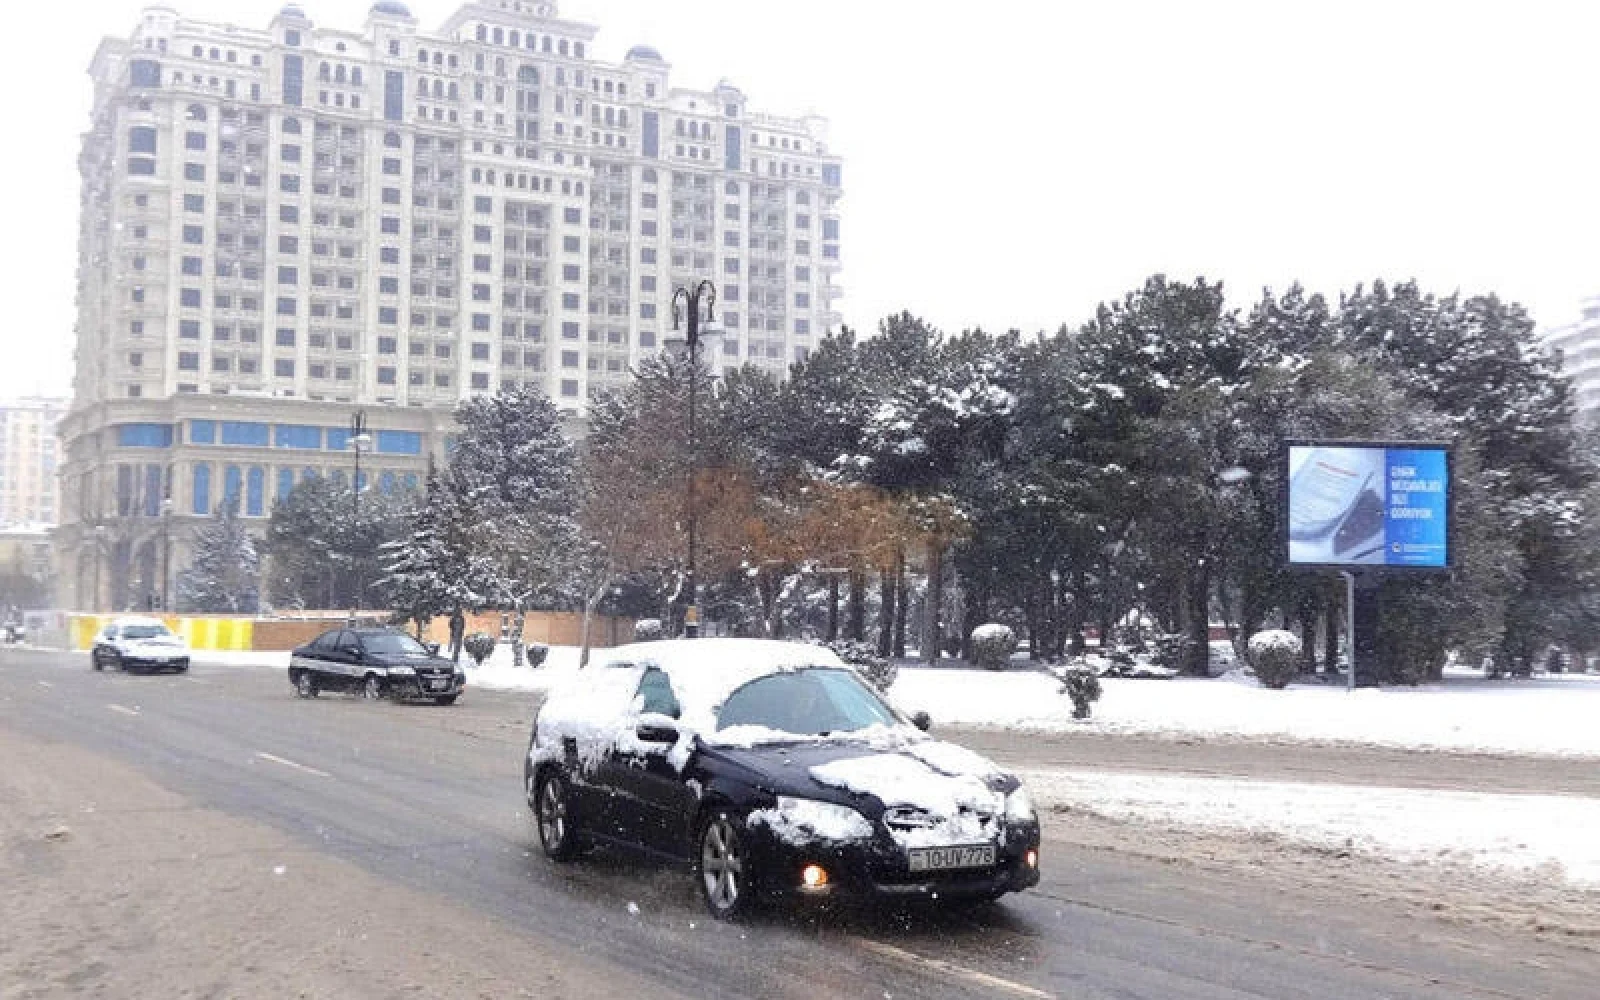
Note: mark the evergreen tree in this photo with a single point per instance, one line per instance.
(224, 573)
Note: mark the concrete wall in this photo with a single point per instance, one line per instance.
(220, 632)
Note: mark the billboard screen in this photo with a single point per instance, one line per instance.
(1369, 504)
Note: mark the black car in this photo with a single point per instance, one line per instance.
(774, 770)
(374, 663)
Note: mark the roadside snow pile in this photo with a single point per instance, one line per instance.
(1513, 832)
(498, 674)
(1554, 715)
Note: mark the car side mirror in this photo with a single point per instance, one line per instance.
(922, 720)
(432, 648)
(653, 728)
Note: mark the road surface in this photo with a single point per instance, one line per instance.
(339, 848)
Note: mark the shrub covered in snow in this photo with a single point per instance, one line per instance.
(478, 646)
(648, 630)
(864, 657)
(1083, 687)
(992, 646)
(1174, 650)
(1275, 656)
(537, 652)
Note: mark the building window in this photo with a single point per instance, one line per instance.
(283, 368)
(200, 502)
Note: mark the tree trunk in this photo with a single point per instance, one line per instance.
(588, 619)
(856, 622)
(886, 592)
(1200, 622)
(833, 607)
(932, 634)
(900, 602)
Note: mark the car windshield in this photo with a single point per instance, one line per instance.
(144, 631)
(814, 702)
(393, 644)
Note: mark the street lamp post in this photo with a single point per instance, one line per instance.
(166, 554)
(359, 439)
(692, 299)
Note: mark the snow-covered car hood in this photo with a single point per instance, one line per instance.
(926, 791)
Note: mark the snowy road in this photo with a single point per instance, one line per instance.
(426, 801)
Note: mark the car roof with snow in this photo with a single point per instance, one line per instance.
(705, 671)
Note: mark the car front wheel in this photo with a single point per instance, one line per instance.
(372, 688)
(552, 809)
(724, 866)
(305, 685)
(95, 660)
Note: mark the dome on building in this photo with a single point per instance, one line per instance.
(293, 12)
(644, 53)
(392, 8)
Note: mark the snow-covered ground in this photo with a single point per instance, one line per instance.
(1559, 714)
(1514, 832)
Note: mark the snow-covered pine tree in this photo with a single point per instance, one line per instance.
(225, 573)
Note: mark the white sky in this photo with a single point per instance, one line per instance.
(1011, 164)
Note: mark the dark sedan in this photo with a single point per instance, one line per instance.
(374, 663)
(773, 769)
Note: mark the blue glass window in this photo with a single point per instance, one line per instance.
(285, 484)
(652, 134)
(410, 482)
(144, 435)
(340, 479)
(362, 481)
(386, 483)
(255, 489)
(293, 75)
(731, 150)
(308, 475)
(830, 229)
(338, 438)
(251, 434)
(394, 95)
(202, 432)
(232, 482)
(202, 490)
(830, 174)
(400, 442)
(297, 436)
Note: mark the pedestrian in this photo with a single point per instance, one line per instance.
(458, 630)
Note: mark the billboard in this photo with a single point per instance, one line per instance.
(1363, 503)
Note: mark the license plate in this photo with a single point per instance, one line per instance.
(932, 859)
(438, 685)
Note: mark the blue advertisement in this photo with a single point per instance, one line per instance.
(1369, 505)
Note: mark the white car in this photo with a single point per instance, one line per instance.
(139, 644)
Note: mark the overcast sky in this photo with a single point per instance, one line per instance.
(1011, 164)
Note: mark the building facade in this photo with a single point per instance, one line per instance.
(28, 457)
(1579, 346)
(282, 226)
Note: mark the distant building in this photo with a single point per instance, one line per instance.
(282, 226)
(1579, 346)
(25, 568)
(28, 456)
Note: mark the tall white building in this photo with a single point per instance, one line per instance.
(1579, 346)
(28, 458)
(282, 226)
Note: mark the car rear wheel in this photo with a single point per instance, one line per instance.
(305, 685)
(552, 809)
(724, 866)
(372, 688)
(95, 660)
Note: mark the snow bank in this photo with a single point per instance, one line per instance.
(1554, 715)
(498, 674)
(1512, 832)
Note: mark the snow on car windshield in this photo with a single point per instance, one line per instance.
(815, 702)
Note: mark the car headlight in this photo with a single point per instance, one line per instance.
(1019, 806)
(826, 820)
